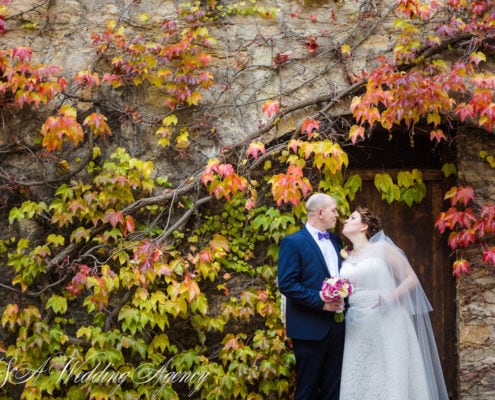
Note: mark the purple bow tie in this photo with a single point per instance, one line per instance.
(323, 235)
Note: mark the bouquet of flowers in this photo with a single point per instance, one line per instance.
(333, 289)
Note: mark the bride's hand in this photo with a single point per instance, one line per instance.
(384, 301)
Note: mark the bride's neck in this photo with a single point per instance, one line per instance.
(359, 244)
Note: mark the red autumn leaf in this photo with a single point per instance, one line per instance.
(279, 59)
(461, 194)
(205, 256)
(97, 123)
(311, 44)
(487, 116)
(464, 218)
(462, 239)
(255, 148)
(225, 170)
(271, 107)
(112, 79)
(309, 125)
(489, 255)
(250, 204)
(460, 267)
(22, 53)
(129, 224)
(441, 223)
(452, 217)
(87, 79)
(466, 237)
(75, 205)
(294, 145)
(114, 217)
(486, 224)
(209, 172)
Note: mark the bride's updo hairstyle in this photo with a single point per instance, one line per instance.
(372, 220)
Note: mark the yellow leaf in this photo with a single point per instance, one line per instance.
(194, 98)
(345, 49)
(169, 120)
(143, 17)
(96, 152)
(182, 141)
(68, 111)
(433, 118)
(164, 142)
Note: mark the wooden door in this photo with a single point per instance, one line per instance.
(413, 230)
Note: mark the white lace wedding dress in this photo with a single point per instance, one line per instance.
(383, 359)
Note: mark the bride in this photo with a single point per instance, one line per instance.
(390, 351)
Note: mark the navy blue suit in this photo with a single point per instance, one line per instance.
(318, 340)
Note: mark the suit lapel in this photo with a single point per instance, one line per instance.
(316, 250)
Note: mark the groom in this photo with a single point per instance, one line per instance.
(306, 258)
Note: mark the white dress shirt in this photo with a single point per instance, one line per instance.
(328, 250)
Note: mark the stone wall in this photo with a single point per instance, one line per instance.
(476, 293)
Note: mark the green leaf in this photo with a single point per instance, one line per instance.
(449, 169)
(200, 304)
(65, 192)
(352, 185)
(160, 342)
(409, 196)
(85, 331)
(130, 317)
(57, 303)
(14, 214)
(57, 240)
(405, 178)
(384, 182)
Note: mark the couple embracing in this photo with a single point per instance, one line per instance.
(385, 348)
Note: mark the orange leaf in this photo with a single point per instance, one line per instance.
(437, 135)
(129, 224)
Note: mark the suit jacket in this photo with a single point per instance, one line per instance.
(301, 271)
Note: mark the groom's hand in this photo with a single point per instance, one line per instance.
(337, 305)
